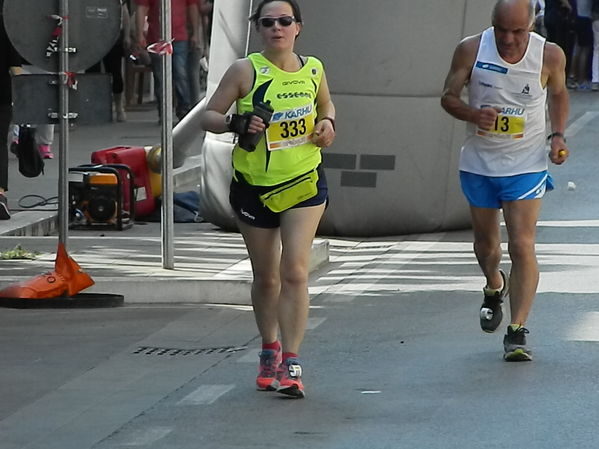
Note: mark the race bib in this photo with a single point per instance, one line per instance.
(290, 128)
(510, 124)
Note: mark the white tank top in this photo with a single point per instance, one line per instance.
(516, 144)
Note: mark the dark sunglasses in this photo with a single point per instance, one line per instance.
(284, 21)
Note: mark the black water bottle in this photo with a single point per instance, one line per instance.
(249, 141)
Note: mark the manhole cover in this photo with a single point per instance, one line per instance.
(171, 352)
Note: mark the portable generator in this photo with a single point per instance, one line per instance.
(101, 195)
(136, 159)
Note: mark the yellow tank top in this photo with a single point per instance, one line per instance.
(286, 150)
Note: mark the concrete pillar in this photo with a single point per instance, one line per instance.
(393, 167)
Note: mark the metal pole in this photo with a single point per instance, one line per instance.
(247, 39)
(167, 222)
(63, 110)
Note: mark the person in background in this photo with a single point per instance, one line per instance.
(10, 64)
(194, 69)
(560, 18)
(181, 12)
(540, 17)
(44, 133)
(595, 57)
(584, 40)
(113, 63)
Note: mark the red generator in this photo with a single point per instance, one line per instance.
(135, 158)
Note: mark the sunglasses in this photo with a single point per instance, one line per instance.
(268, 22)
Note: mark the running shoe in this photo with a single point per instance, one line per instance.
(267, 372)
(289, 379)
(4, 212)
(491, 312)
(514, 345)
(46, 152)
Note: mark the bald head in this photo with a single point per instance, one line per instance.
(518, 8)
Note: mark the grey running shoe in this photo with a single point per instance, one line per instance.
(514, 345)
(491, 313)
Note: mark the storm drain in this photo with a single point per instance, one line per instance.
(171, 352)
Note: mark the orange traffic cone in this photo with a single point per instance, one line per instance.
(67, 279)
(76, 279)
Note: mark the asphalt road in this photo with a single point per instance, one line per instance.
(394, 357)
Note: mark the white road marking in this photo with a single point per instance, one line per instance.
(241, 270)
(205, 395)
(405, 252)
(145, 437)
(570, 223)
(314, 322)
(250, 356)
(580, 123)
(586, 329)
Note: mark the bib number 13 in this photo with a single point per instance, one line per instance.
(502, 124)
(509, 125)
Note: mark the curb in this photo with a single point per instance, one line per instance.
(28, 223)
(231, 286)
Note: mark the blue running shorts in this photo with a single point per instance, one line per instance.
(491, 191)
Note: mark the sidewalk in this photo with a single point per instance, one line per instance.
(210, 265)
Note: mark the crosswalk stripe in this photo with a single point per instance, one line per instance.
(587, 329)
(406, 252)
(250, 356)
(145, 437)
(205, 395)
(580, 123)
(314, 322)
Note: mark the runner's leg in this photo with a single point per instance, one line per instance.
(521, 221)
(298, 228)
(487, 243)
(264, 249)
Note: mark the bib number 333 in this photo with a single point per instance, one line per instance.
(291, 128)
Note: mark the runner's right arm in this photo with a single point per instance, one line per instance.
(458, 76)
(235, 84)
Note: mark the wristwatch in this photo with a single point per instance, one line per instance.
(228, 119)
(556, 134)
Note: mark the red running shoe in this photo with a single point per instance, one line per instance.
(267, 372)
(289, 379)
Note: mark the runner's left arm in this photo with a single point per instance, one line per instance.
(559, 101)
(324, 130)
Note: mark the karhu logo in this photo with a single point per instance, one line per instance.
(526, 90)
